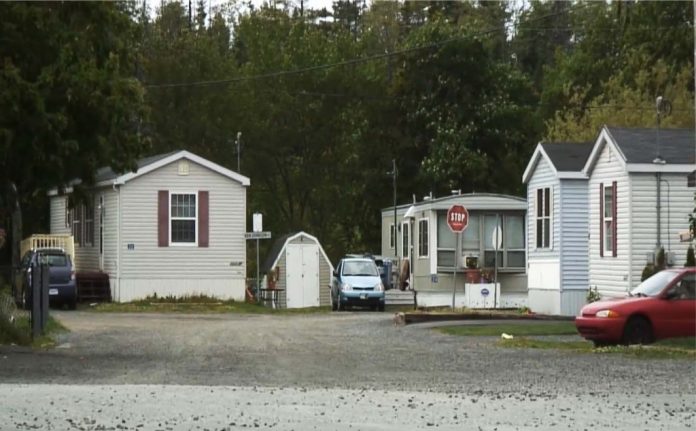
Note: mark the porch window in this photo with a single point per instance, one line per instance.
(183, 218)
(543, 218)
(423, 237)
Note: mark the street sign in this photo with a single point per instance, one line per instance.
(257, 222)
(485, 292)
(457, 218)
(257, 235)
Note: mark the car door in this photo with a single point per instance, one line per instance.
(684, 301)
(336, 281)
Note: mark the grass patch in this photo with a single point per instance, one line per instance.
(666, 349)
(195, 305)
(552, 328)
(19, 332)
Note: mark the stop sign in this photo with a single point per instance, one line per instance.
(457, 218)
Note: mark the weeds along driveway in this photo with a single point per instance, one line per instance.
(330, 350)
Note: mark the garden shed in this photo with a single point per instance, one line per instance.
(298, 267)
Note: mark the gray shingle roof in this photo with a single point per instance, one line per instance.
(677, 146)
(106, 173)
(568, 156)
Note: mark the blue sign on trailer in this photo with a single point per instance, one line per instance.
(485, 292)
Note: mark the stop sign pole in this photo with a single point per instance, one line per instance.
(457, 220)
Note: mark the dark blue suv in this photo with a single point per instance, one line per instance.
(62, 288)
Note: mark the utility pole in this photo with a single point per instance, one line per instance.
(394, 174)
(238, 142)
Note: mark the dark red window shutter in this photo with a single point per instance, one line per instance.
(163, 218)
(601, 219)
(613, 218)
(203, 215)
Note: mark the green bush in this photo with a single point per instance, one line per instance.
(648, 271)
(661, 261)
(690, 258)
(593, 295)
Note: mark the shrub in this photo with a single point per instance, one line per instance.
(648, 271)
(661, 261)
(593, 295)
(690, 258)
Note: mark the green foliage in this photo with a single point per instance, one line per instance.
(593, 295)
(660, 260)
(648, 271)
(690, 258)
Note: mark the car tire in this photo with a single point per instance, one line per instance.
(638, 330)
(381, 307)
(334, 306)
(72, 304)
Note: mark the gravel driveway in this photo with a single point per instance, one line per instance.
(322, 361)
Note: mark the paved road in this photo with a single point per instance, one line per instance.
(297, 372)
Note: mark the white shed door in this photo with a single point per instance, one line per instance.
(302, 275)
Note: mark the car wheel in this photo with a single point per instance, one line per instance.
(637, 331)
(381, 307)
(334, 306)
(72, 304)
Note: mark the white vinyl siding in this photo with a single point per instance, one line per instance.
(609, 274)
(87, 256)
(145, 260)
(677, 204)
(573, 218)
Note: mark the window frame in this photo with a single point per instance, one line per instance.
(608, 221)
(405, 240)
(546, 203)
(88, 232)
(423, 240)
(195, 219)
(460, 252)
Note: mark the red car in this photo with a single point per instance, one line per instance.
(663, 306)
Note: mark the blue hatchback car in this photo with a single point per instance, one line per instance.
(62, 288)
(356, 282)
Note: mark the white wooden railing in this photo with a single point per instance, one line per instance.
(40, 241)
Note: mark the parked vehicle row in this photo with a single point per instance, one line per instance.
(662, 306)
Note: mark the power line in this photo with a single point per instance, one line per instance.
(346, 62)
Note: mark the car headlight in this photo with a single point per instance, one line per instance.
(607, 313)
(379, 287)
(347, 287)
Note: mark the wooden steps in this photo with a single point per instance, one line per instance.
(93, 286)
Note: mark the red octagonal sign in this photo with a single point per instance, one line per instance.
(457, 218)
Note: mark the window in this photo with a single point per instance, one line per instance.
(392, 236)
(423, 237)
(405, 249)
(183, 218)
(607, 221)
(88, 235)
(446, 242)
(77, 224)
(543, 218)
(479, 238)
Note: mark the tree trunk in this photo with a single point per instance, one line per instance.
(16, 229)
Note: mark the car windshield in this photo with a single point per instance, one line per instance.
(655, 284)
(360, 268)
(56, 259)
